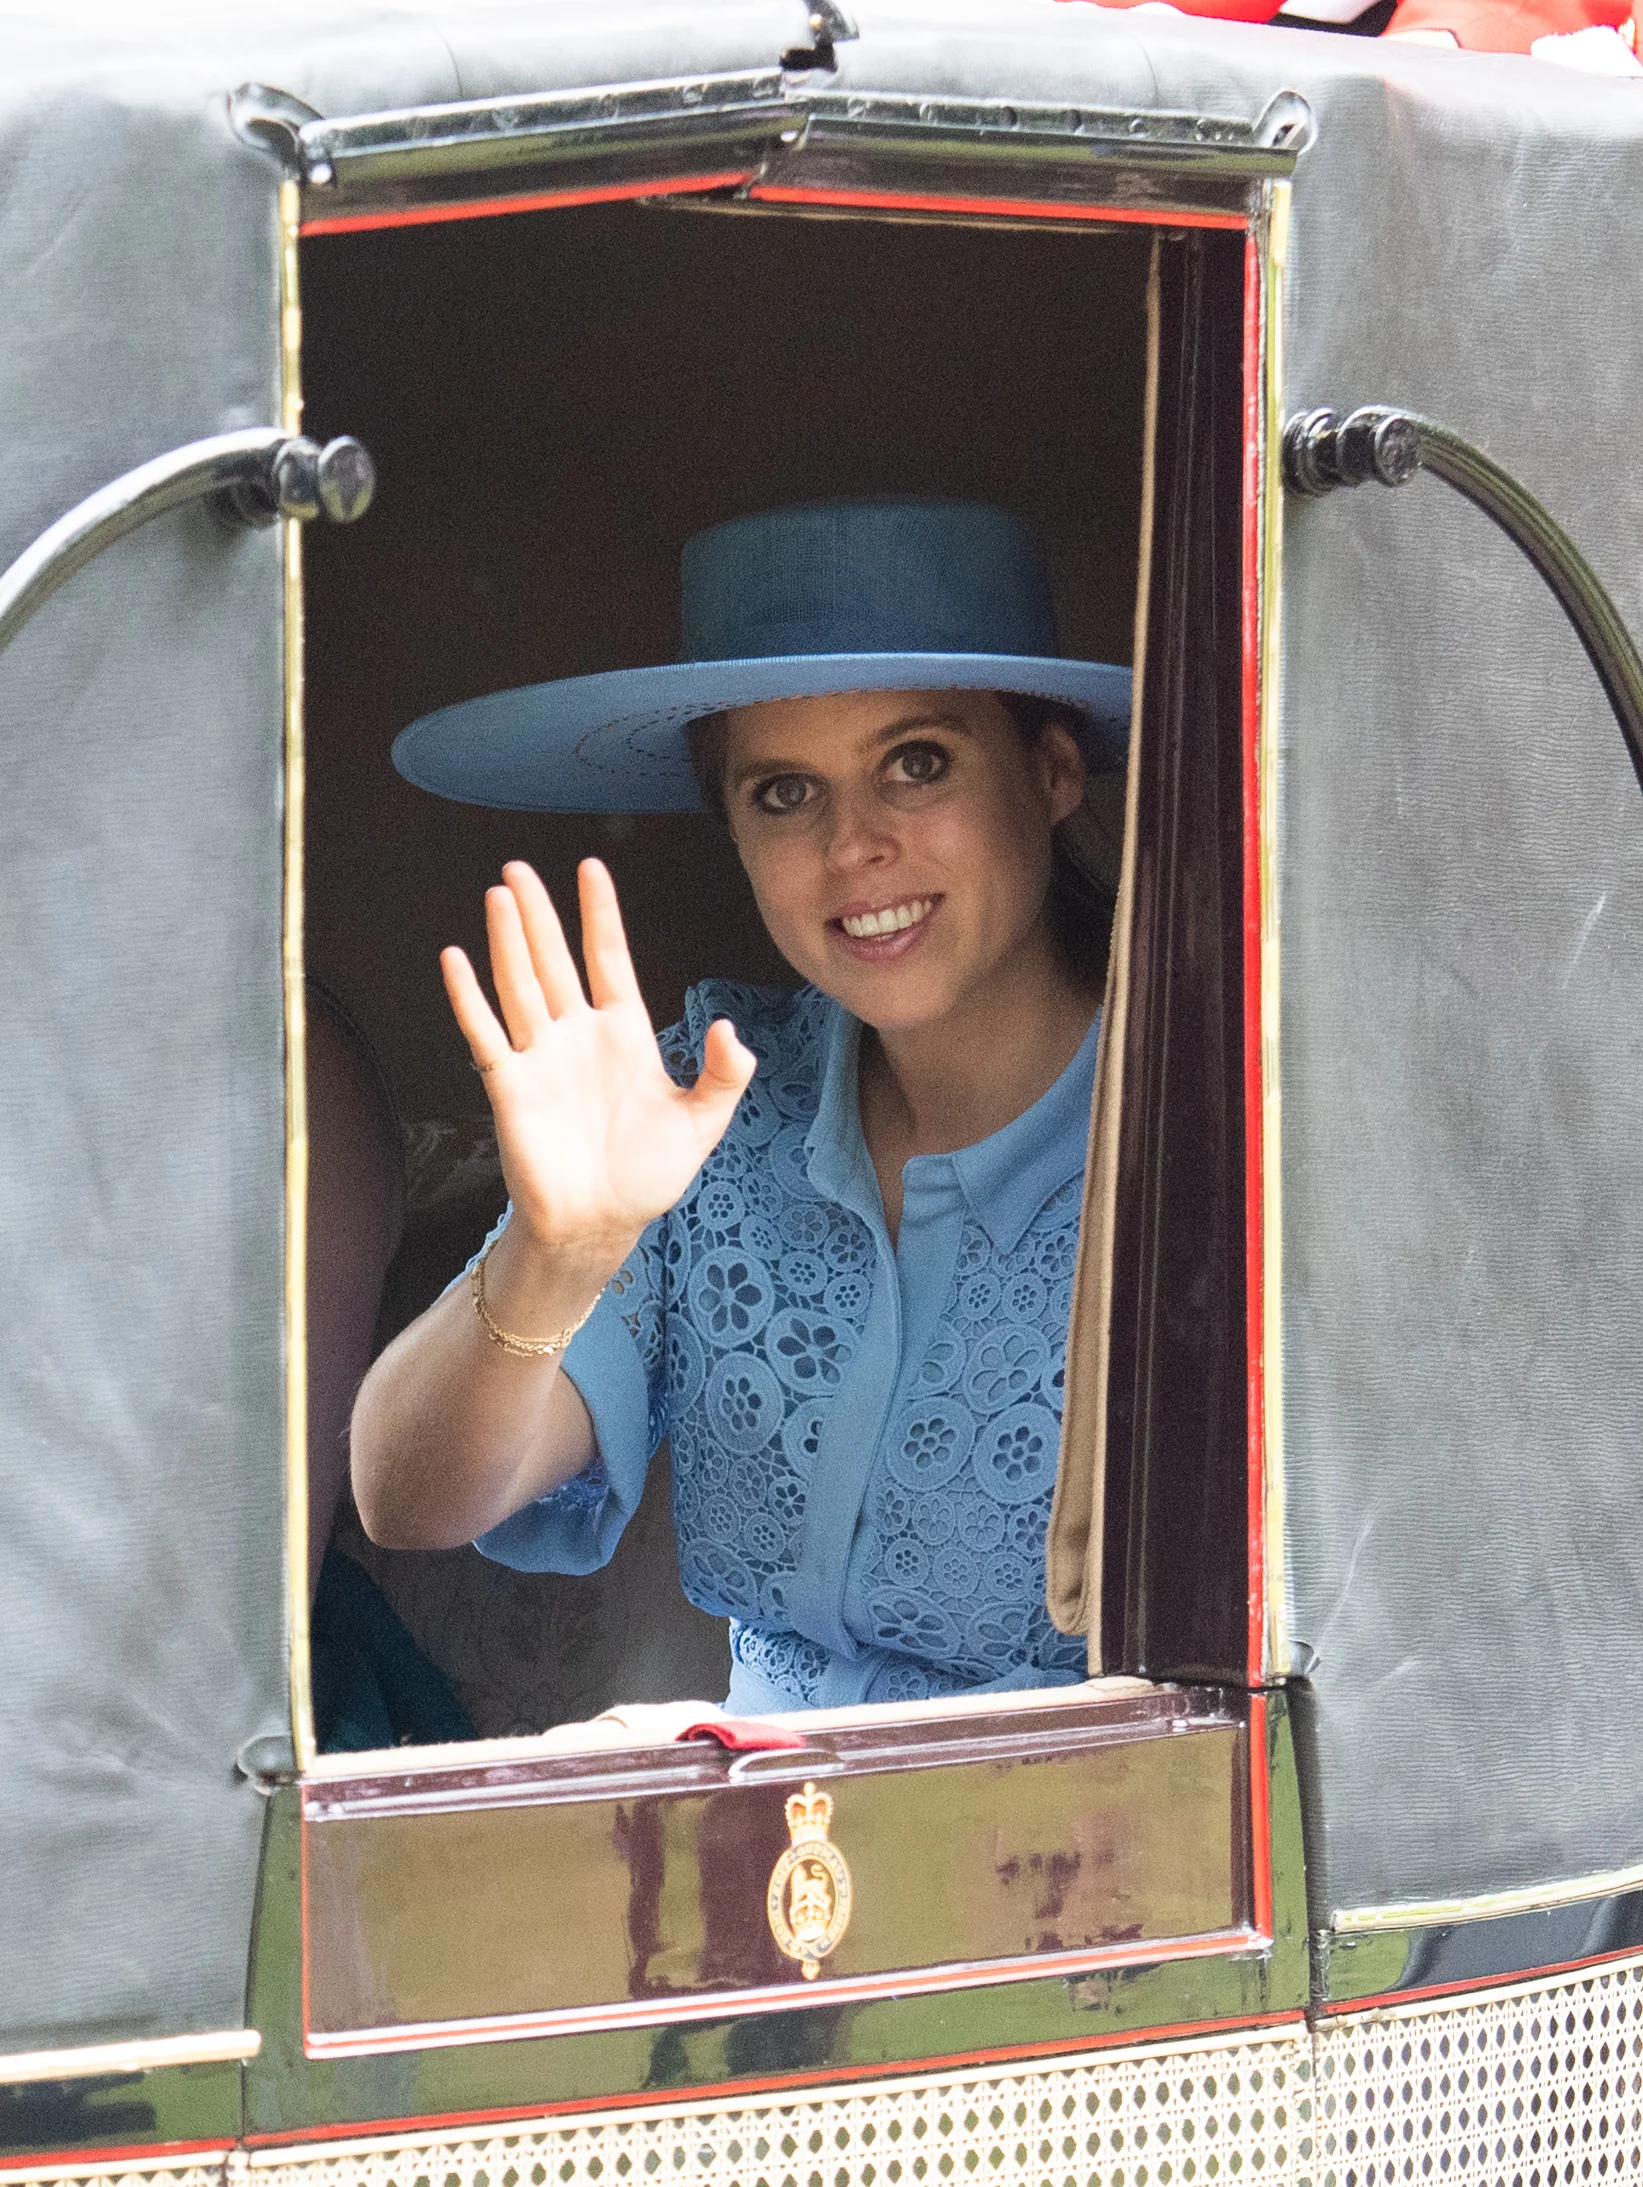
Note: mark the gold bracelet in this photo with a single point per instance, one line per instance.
(521, 1347)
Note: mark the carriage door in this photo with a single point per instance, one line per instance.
(707, 296)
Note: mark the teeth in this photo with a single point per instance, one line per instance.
(863, 926)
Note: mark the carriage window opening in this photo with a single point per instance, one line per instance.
(557, 402)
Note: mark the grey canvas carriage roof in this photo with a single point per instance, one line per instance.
(369, 59)
(1461, 860)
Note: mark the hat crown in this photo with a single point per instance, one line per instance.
(866, 577)
(807, 602)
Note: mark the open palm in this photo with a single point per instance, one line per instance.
(596, 1140)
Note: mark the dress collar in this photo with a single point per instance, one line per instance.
(1006, 1178)
(838, 1163)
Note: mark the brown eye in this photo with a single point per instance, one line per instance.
(919, 763)
(782, 794)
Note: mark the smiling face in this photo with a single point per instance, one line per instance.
(898, 843)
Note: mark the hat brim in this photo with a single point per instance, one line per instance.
(616, 743)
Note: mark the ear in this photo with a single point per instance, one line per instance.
(1062, 769)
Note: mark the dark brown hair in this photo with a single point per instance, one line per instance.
(1081, 894)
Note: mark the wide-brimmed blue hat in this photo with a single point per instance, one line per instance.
(797, 603)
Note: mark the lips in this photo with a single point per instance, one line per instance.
(863, 926)
(883, 933)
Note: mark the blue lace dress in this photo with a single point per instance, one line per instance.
(864, 1435)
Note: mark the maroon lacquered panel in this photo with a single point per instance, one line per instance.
(664, 1883)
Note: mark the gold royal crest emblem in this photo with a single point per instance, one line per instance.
(809, 1897)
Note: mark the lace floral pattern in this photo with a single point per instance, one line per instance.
(765, 1288)
(957, 1513)
(746, 1305)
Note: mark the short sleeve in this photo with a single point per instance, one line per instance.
(616, 1365)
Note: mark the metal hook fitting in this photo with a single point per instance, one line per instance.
(1323, 451)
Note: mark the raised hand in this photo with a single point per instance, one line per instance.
(596, 1140)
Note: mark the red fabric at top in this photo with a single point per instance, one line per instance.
(1230, 11)
(743, 1734)
(1507, 26)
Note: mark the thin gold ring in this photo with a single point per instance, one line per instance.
(482, 1068)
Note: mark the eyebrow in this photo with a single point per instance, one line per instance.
(926, 718)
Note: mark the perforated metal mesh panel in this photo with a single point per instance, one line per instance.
(1164, 2115)
(1523, 2088)
(1537, 2086)
(190, 2171)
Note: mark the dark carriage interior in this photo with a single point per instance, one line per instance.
(556, 401)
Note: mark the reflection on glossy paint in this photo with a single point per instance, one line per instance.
(973, 1846)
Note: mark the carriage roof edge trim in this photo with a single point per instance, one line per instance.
(424, 141)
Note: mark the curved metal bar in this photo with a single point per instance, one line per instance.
(813, 1759)
(219, 465)
(1322, 451)
(254, 477)
(1581, 594)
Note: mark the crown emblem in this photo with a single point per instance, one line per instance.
(809, 1814)
(808, 1901)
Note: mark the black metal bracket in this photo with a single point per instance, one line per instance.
(829, 27)
(1322, 451)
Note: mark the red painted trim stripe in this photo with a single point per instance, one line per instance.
(850, 2073)
(538, 201)
(1260, 1785)
(1260, 1818)
(991, 208)
(65, 2160)
(303, 1912)
(1253, 1236)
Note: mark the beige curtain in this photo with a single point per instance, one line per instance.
(1074, 1547)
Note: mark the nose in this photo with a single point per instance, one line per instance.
(859, 836)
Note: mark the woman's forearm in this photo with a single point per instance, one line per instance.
(452, 1433)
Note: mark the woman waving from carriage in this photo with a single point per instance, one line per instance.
(823, 1240)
